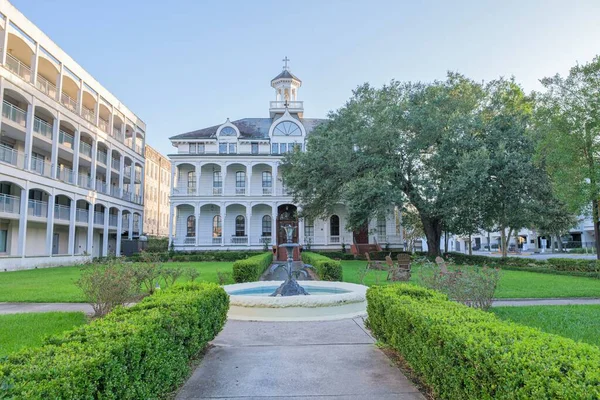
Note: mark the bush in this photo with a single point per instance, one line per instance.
(327, 269)
(464, 353)
(200, 256)
(157, 244)
(336, 254)
(141, 352)
(250, 269)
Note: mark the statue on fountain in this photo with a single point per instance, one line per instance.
(290, 286)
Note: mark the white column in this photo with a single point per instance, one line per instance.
(50, 225)
(326, 231)
(59, 84)
(130, 230)
(248, 179)
(34, 64)
(108, 167)
(71, 248)
(23, 221)
(111, 121)
(224, 177)
(274, 224)
(90, 231)
(2, 84)
(29, 134)
(5, 46)
(97, 110)
(121, 173)
(173, 170)
(198, 207)
(274, 178)
(105, 232)
(171, 212)
(223, 225)
(119, 231)
(198, 175)
(248, 220)
(54, 156)
(80, 97)
(76, 143)
(94, 160)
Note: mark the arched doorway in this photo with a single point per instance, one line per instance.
(287, 214)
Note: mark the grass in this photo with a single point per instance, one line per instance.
(29, 330)
(513, 284)
(578, 322)
(50, 285)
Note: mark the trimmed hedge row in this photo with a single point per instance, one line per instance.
(328, 269)
(567, 266)
(464, 353)
(140, 352)
(250, 269)
(201, 256)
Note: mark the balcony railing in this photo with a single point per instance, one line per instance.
(36, 208)
(84, 180)
(98, 218)
(102, 157)
(45, 86)
(127, 171)
(88, 114)
(115, 164)
(62, 212)
(68, 102)
(103, 124)
(10, 204)
(65, 139)
(41, 166)
(118, 135)
(267, 191)
(100, 186)
(114, 191)
(138, 149)
(334, 239)
(82, 215)
(64, 174)
(14, 113)
(239, 240)
(240, 191)
(112, 219)
(127, 195)
(18, 67)
(137, 199)
(290, 104)
(42, 127)
(11, 156)
(217, 191)
(85, 149)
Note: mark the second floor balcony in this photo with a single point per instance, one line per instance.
(62, 212)
(37, 208)
(42, 128)
(85, 149)
(65, 139)
(11, 156)
(10, 204)
(41, 166)
(14, 113)
(64, 174)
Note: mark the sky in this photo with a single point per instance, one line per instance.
(183, 65)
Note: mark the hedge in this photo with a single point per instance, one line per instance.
(202, 256)
(464, 353)
(140, 352)
(566, 266)
(250, 269)
(327, 269)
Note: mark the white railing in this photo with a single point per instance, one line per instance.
(103, 124)
(100, 186)
(391, 239)
(11, 156)
(126, 195)
(137, 199)
(10, 204)
(65, 139)
(334, 239)
(18, 67)
(102, 157)
(85, 149)
(309, 239)
(112, 219)
(138, 149)
(239, 240)
(81, 215)
(68, 102)
(84, 180)
(45, 86)
(36, 208)
(62, 212)
(114, 191)
(217, 240)
(267, 191)
(217, 191)
(240, 191)
(264, 239)
(290, 104)
(98, 218)
(88, 114)
(114, 164)
(189, 240)
(64, 174)
(42, 127)
(41, 166)
(118, 135)
(14, 113)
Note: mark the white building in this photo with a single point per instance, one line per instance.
(71, 155)
(227, 190)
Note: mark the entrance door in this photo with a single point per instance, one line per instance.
(287, 214)
(361, 236)
(55, 243)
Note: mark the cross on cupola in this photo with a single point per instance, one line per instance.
(285, 65)
(286, 87)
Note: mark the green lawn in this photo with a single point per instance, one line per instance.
(579, 322)
(58, 284)
(29, 330)
(513, 284)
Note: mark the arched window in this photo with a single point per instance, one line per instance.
(266, 225)
(191, 226)
(240, 226)
(334, 226)
(191, 182)
(217, 226)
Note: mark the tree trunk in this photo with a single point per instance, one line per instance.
(503, 242)
(596, 227)
(433, 233)
(559, 242)
(446, 239)
(517, 241)
(470, 246)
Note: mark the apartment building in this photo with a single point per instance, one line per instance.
(156, 194)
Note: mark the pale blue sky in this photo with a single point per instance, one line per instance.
(184, 65)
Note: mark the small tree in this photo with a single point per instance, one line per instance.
(413, 227)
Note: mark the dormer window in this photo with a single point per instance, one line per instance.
(228, 131)
(197, 148)
(287, 128)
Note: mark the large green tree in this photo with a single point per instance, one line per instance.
(568, 117)
(401, 143)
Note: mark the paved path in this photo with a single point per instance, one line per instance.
(296, 360)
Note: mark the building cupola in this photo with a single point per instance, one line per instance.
(286, 87)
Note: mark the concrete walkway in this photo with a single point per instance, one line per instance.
(296, 360)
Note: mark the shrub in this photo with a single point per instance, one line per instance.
(464, 353)
(335, 254)
(250, 269)
(107, 286)
(157, 244)
(199, 256)
(140, 352)
(328, 269)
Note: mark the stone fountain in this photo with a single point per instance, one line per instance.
(290, 286)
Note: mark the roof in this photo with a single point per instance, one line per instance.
(250, 128)
(286, 74)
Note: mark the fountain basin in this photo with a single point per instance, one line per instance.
(328, 301)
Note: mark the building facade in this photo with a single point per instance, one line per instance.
(227, 188)
(71, 155)
(156, 194)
